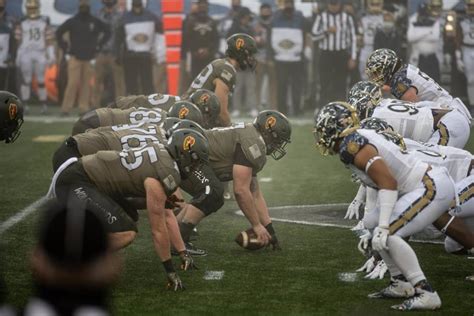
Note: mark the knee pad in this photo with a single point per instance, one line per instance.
(210, 203)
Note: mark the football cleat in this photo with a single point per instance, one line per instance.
(470, 278)
(396, 289)
(194, 251)
(423, 300)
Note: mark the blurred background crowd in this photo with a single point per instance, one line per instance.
(85, 53)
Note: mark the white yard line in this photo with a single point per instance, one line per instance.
(21, 215)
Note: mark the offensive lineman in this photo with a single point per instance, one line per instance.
(408, 83)
(219, 75)
(368, 25)
(35, 51)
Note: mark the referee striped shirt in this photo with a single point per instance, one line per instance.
(343, 39)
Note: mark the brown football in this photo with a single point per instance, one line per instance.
(248, 240)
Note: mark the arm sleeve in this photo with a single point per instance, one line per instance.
(318, 31)
(240, 159)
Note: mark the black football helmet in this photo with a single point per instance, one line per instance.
(11, 117)
(189, 149)
(275, 129)
(209, 105)
(364, 96)
(186, 110)
(184, 123)
(381, 65)
(333, 122)
(242, 47)
(168, 123)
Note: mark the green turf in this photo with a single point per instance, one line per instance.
(301, 279)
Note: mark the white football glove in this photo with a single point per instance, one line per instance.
(353, 209)
(359, 228)
(379, 241)
(378, 272)
(363, 245)
(368, 266)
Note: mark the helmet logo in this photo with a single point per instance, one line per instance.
(239, 43)
(188, 142)
(12, 111)
(270, 122)
(183, 112)
(204, 98)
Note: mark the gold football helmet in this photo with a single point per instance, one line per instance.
(32, 8)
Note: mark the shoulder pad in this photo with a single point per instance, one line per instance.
(400, 83)
(350, 146)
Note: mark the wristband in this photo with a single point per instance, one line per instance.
(387, 200)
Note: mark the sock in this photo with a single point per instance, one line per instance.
(392, 267)
(186, 229)
(405, 259)
(42, 94)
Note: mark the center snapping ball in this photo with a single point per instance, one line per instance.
(248, 240)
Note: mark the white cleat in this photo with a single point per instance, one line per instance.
(423, 300)
(396, 289)
(470, 278)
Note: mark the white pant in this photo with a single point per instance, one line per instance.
(32, 63)
(419, 208)
(468, 59)
(453, 130)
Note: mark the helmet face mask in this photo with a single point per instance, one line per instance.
(381, 65)
(333, 122)
(11, 117)
(189, 149)
(276, 132)
(242, 48)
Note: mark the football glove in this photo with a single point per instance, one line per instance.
(379, 241)
(359, 229)
(378, 272)
(174, 282)
(187, 262)
(368, 266)
(353, 209)
(364, 242)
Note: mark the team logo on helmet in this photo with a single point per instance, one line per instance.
(12, 111)
(204, 98)
(270, 122)
(188, 142)
(183, 112)
(239, 43)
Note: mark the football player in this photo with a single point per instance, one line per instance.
(152, 172)
(209, 105)
(219, 75)
(11, 117)
(110, 117)
(408, 83)
(35, 51)
(156, 100)
(411, 195)
(423, 121)
(368, 25)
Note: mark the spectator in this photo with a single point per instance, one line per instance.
(201, 37)
(73, 266)
(424, 36)
(226, 22)
(107, 70)
(387, 35)
(266, 77)
(86, 34)
(335, 31)
(7, 50)
(287, 37)
(185, 63)
(465, 50)
(245, 92)
(140, 38)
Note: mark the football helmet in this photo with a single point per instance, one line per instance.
(186, 110)
(384, 129)
(275, 129)
(209, 105)
(188, 148)
(168, 123)
(381, 65)
(375, 6)
(32, 8)
(434, 7)
(333, 122)
(11, 116)
(364, 96)
(184, 123)
(469, 5)
(242, 47)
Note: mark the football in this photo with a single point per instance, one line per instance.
(248, 240)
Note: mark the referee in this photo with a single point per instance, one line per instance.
(335, 32)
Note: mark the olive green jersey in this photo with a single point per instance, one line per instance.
(222, 147)
(218, 69)
(122, 173)
(118, 138)
(109, 116)
(156, 100)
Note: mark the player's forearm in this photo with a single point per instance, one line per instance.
(261, 205)
(173, 231)
(246, 203)
(161, 241)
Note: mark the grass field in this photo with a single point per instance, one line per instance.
(301, 279)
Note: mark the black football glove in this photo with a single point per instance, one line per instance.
(187, 262)
(174, 282)
(274, 243)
